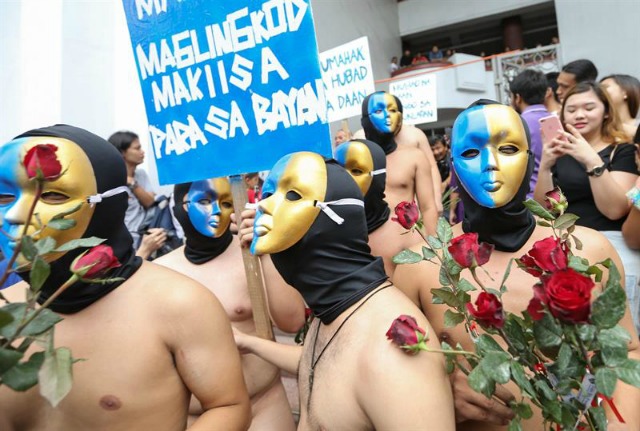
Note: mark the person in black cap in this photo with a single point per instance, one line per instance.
(410, 175)
(212, 256)
(312, 223)
(365, 161)
(148, 340)
(491, 157)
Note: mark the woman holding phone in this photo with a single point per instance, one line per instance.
(594, 167)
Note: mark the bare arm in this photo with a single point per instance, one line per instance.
(199, 335)
(286, 305)
(151, 242)
(146, 198)
(424, 192)
(631, 227)
(284, 356)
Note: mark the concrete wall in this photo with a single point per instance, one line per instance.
(606, 33)
(420, 15)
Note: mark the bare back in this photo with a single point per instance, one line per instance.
(389, 240)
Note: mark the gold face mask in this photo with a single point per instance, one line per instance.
(224, 204)
(356, 158)
(288, 208)
(17, 194)
(384, 113)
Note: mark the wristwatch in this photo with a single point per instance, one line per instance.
(597, 171)
(132, 185)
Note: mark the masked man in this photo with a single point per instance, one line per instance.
(492, 159)
(212, 256)
(148, 341)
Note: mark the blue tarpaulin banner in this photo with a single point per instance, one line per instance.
(229, 86)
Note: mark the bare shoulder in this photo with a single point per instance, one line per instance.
(359, 134)
(173, 259)
(410, 135)
(595, 246)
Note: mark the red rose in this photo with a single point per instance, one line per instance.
(466, 251)
(488, 311)
(547, 255)
(536, 305)
(407, 214)
(568, 295)
(95, 262)
(406, 334)
(556, 202)
(41, 162)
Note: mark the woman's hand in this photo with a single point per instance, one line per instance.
(551, 150)
(574, 145)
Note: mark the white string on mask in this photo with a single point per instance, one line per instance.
(324, 206)
(378, 172)
(96, 199)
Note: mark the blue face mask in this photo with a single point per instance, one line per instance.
(10, 157)
(490, 153)
(202, 207)
(384, 113)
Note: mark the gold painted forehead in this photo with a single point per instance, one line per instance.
(504, 124)
(221, 186)
(359, 154)
(306, 173)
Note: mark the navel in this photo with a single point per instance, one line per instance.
(110, 402)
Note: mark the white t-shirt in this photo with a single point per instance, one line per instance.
(135, 211)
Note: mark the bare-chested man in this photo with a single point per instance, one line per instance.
(409, 175)
(366, 163)
(404, 135)
(351, 377)
(148, 341)
(212, 256)
(491, 156)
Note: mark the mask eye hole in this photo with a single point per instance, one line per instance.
(293, 195)
(7, 198)
(226, 205)
(357, 172)
(204, 202)
(54, 197)
(509, 149)
(470, 153)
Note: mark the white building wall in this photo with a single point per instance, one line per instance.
(606, 33)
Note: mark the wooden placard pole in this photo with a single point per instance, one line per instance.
(252, 267)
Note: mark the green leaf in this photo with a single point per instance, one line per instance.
(8, 358)
(515, 334)
(5, 318)
(427, 253)
(595, 271)
(629, 372)
(45, 245)
(28, 248)
(586, 332)
(480, 382)
(465, 286)
(543, 223)
(565, 221)
(434, 242)
(452, 267)
(452, 319)
(515, 425)
(447, 297)
(598, 417)
(443, 230)
(566, 364)
(613, 345)
(553, 409)
(609, 307)
(546, 391)
(606, 380)
(614, 275)
(538, 209)
(55, 375)
(520, 377)
(25, 375)
(70, 211)
(82, 242)
(61, 224)
(578, 263)
(407, 256)
(38, 274)
(503, 287)
(496, 366)
(485, 344)
(44, 321)
(577, 241)
(522, 409)
(547, 332)
(442, 277)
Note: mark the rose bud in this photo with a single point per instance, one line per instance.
(407, 214)
(95, 262)
(569, 295)
(406, 334)
(42, 163)
(488, 311)
(556, 202)
(466, 251)
(549, 254)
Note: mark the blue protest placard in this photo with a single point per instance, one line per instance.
(229, 86)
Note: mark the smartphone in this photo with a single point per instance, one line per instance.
(549, 127)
